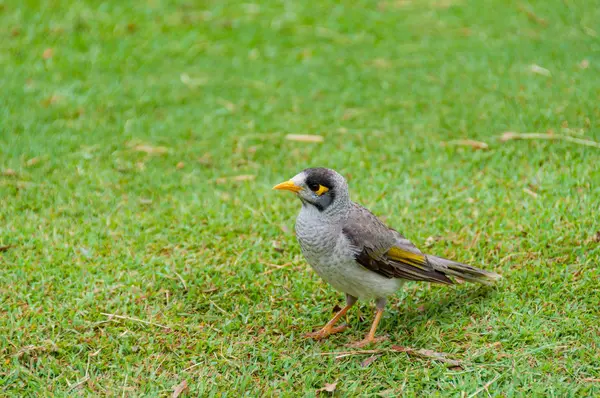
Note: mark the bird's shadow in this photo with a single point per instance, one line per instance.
(410, 313)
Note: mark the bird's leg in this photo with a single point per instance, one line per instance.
(370, 338)
(330, 327)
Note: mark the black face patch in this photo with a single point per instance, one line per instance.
(319, 176)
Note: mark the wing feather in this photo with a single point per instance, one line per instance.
(386, 252)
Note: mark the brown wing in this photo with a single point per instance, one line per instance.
(386, 252)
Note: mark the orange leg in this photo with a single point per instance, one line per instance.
(370, 338)
(330, 328)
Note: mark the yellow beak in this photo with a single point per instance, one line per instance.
(288, 186)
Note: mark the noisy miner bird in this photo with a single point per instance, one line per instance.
(356, 253)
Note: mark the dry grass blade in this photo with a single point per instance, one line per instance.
(182, 281)
(110, 316)
(470, 143)
(5, 248)
(342, 354)
(151, 150)
(510, 136)
(423, 353)
(79, 383)
(180, 389)
(485, 387)
(540, 70)
(240, 178)
(369, 361)
(304, 138)
(530, 192)
(191, 82)
(591, 380)
(532, 16)
(244, 177)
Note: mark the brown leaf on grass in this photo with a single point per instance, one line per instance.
(48, 53)
(179, 389)
(369, 361)
(32, 162)
(423, 353)
(304, 138)
(5, 248)
(329, 387)
(151, 150)
(180, 165)
(205, 160)
(9, 173)
(470, 143)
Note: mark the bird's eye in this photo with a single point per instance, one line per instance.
(318, 189)
(314, 186)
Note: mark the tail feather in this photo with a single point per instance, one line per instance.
(463, 271)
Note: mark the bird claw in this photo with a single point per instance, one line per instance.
(366, 341)
(326, 332)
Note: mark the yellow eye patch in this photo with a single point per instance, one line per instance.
(321, 190)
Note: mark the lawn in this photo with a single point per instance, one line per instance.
(141, 245)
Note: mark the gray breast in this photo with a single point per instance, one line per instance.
(316, 238)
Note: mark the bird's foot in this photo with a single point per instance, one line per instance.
(366, 341)
(326, 332)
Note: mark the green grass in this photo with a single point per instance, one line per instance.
(97, 226)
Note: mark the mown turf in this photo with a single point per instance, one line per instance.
(124, 128)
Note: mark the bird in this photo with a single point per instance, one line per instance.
(357, 254)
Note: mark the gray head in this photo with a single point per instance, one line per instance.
(321, 188)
